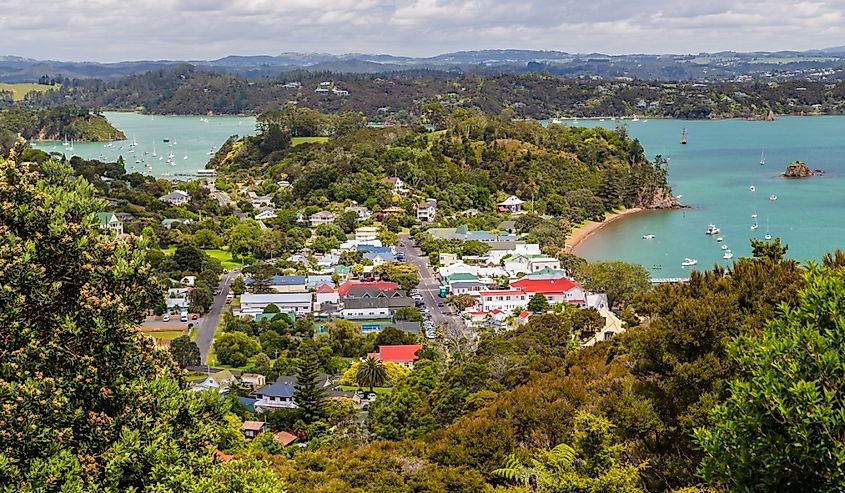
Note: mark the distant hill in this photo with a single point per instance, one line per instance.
(722, 65)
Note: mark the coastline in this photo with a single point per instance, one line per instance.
(582, 233)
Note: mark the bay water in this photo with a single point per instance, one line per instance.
(713, 174)
(191, 139)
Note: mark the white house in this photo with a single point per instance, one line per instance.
(109, 222)
(527, 264)
(299, 303)
(265, 213)
(506, 300)
(220, 381)
(427, 211)
(260, 201)
(397, 184)
(176, 197)
(277, 395)
(322, 217)
(366, 233)
(363, 212)
(253, 380)
(326, 294)
(511, 204)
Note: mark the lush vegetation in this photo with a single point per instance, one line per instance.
(56, 123)
(406, 97)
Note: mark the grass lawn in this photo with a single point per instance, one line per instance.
(165, 335)
(224, 257)
(295, 141)
(19, 90)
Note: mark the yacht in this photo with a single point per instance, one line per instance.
(186, 157)
(773, 197)
(712, 229)
(688, 262)
(754, 226)
(767, 236)
(724, 247)
(635, 119)
(557, 120)
(762, 158)
(728, 255)
(754, 216)
(752, 189)
(720, 239)
(648, 237)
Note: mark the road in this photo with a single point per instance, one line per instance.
(205, 336)
(429, 288)
(224, 199)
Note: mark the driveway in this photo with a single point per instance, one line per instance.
(208, 325)
(429, 288)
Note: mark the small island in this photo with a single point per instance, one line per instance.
(56, 124)
(799, 169)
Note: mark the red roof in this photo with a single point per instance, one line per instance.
(545, 286)
(220, 455)
(524, 314)
(399, 353)
(325, 288)
(284, 438)
(504, 292)
(380, 285)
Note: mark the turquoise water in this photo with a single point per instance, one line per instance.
(191, 137)
(713, 173)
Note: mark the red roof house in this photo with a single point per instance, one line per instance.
(545, 286)
(325, 288)
(401, 354)
(344, 288)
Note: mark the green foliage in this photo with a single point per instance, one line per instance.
(309, 394)
(184, 351)
(538, 303)
(408, 313)
(780, 428)
(235, 348)
(371, 373)
(619, 280)
(238, 286)
(405, 274)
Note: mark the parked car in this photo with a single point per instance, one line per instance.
(440, 304)
(194, 316)
(165, 317)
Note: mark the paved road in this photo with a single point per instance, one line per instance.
(205, 336)
(429, 288)
(224, 199)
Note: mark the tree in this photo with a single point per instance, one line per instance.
(538, 303)
(405, 274)
(781, 427)
(309, 394)
(343, 336)
(772, 250)
(261, 276)
(245, 237)
(620, 281)
(206, 238)
(201, 298)
(189, 258)
(408, 313)
(185, 352)
(238, 286)
(235, 348)
(370, 373)
(85, 403)
(391, 336)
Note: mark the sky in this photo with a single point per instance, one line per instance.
(113, 30)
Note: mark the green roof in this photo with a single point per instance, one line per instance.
(269, 316)
(106, 217)
(462, 276)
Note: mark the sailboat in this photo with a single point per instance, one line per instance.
(154, 149)
(684, 135)
(762, 157)
(768, 236)
(70, 148)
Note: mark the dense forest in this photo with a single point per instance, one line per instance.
(402, 97)
(57, 123)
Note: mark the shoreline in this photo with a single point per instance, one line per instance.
(577, 236)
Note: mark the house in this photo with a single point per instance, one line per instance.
(447, 259)
(322, 90)
(124, 217)
(427, 211)
(176, 298)
(363, 212)
(472, 288)
(322, 217)
(612, 326)
(365, 309)
(526, 264)
(110, 222)
(326, 294)
(284, 284)
(556, 291)
(277, 395)
(260, 201)
(284, 438)
(253, 380)
(252, 429)
(299, 303)
(396, 183)
(265, 213)
(176, 197)
(404, 355)
(220, 381)
(340, 92)
(511, 204)
(506, 300)
(169, 223)
(188, 281)
(364, 289)
(366, 233)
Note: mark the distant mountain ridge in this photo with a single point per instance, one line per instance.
(666, 66)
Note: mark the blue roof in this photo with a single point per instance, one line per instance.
(375, 249)
(280, 280)
(277, 389)
(387, 257)
(248, 402)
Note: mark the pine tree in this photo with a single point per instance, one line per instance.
(309, 394)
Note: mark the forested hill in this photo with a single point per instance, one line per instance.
(477, 161)
(402, 97)
(56, 124)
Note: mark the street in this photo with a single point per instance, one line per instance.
(429, 288)
(224, 199)
(206, 329)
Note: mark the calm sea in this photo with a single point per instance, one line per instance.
(713, 173)
(191, 139)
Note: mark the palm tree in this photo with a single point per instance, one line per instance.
(371, 373)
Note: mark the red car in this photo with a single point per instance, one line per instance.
(194, 316)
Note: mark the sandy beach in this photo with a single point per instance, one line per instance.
(585, 231)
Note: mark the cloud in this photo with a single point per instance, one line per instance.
(203, 29)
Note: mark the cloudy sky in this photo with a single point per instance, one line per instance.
(109, 30)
